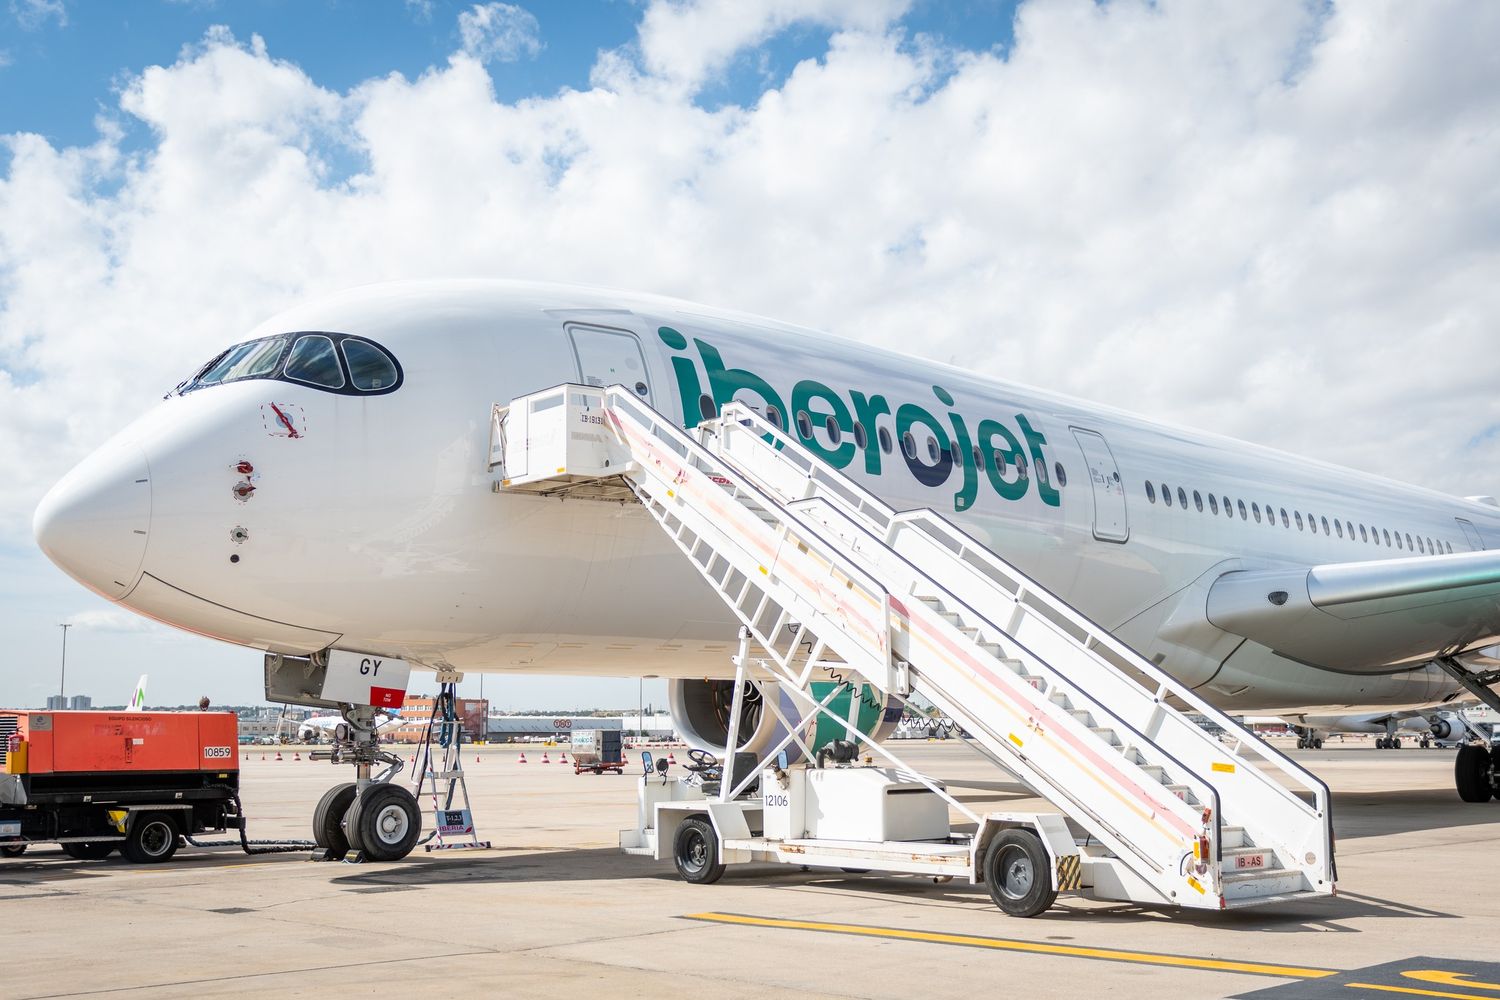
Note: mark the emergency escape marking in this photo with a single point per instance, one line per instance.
(285, 420)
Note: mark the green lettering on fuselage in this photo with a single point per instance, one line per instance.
(931, 452)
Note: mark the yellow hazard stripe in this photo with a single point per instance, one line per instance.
(1032, 947)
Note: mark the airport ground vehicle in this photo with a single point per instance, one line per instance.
(97, 782)
(597, 750)
(829, 581)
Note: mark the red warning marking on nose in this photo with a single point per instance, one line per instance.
(387, 697)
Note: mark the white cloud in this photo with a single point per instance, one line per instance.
(420, 10)
(33, 14)
(499, 32)
(1274, 221)
(685, 40)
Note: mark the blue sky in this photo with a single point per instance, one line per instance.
(60, 76)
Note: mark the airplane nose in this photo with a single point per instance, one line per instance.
(93, 524)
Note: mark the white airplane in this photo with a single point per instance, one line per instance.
(323, 484)
(320, 727)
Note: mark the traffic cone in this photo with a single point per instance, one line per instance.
(544, 758)
(262, 756)
(278, 754)
(523, 757)
(562, 758)
(296, 756)
(671, 759)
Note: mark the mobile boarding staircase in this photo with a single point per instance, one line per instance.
(829, 582)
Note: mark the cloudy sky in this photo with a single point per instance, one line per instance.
(1279, 221)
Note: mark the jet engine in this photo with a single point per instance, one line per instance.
(1446, 726)
(701, 708)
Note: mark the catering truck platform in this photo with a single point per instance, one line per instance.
(96, 782)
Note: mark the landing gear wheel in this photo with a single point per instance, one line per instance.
(383, 823)
(89, 852)
(695, 852)
(1017, 873)
(12, 850)
(328, 818)
(1396, 743)
(1471, 773)
(152, 839)
(1318, 743)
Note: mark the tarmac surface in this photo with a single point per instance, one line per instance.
(556, 909)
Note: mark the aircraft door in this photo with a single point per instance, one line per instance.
(606, 357)
(1110, 522)
(1471, 534)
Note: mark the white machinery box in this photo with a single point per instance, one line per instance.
(874, 804)
(560, 432)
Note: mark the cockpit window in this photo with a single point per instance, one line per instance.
(314, 361)
(370, 368)
(332, 362)
(253, 360)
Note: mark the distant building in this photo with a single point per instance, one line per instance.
(80, 703)
(416, 713)
(56, 703)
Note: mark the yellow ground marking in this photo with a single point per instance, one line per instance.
(1413, 991)
(1032, 947)
(1449, 979)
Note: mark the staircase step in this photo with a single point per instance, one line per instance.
(1083, 715)
(1232, 837)
(1106, 734)
(1252, 884)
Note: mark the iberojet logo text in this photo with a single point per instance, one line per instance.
(1001, 452)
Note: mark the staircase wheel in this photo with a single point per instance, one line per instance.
(1471, 773)
(695, 852)
(1018, 874)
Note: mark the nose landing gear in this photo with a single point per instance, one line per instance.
(368, 818)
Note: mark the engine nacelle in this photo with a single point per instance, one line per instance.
(701, 708)
(1446, 726)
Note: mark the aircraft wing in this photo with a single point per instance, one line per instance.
(1361, 616)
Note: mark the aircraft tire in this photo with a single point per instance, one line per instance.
(328, 817)
(1018, 874)
(1396, 743)
(383, 823)
(12, 850)
(1471, 773)
(695, 852)
(1317, 743)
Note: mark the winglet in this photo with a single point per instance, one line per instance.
(138, 701)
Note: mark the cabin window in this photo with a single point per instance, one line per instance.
(932, 449)
(1325, 525)
(1254, 509)
(313, 361)
(1166, 494)
(1241, 505)
(1419, 543)
(1150, 495)
(1213, 505)
(1000, 463)
(1062, 476)
(1362, 536)
(978, 457)
(1182, 497)
(1338, 526)
(773, 417)
(1285, 521)
(1298, 519)
(1198, 501)
(835, 432)
(860, 437)
(804, 425)
(909, 445)
(1387, 533)
(706, 408)
(884, 435)
(1228, 511)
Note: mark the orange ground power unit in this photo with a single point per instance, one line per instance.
(39, 743)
